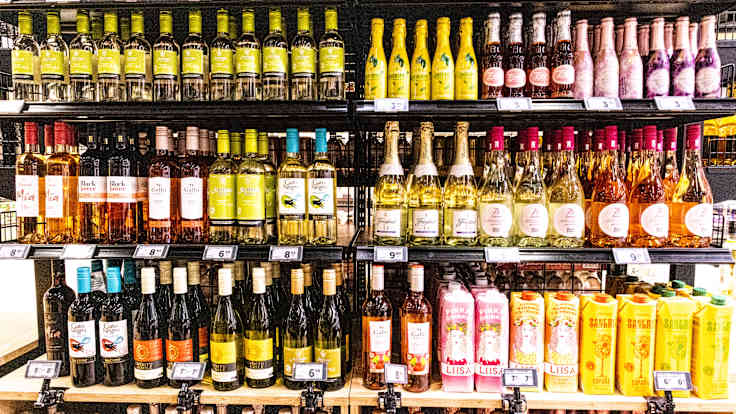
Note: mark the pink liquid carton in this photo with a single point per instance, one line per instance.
(457, 328)
(491, 338)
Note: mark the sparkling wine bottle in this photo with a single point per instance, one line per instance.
(658, 65)
(682, 64)
(606, 63)
(425, 195)
(563, 69)
(530, 201)
(708, 61)
(582, 63)
(649, 226)
(514, 76)
(459, 202)
(493, 76)
(566, 199)
(537, 68)
(496, 197)
(631, 71)
(608, 211)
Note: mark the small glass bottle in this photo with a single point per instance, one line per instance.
(221, 193)
(322, 194)
(25, 61)
(195, 61)
(331, 60)
(531, 219)
(609, 214)
(631, 70)
(376, 320)
(682, 62)
(30, 172)
(292, 193)
(657, 69)
(582, 63)
(514, 75)
(537, 68)
(708, 61)
(670, 172)
(248, 61)
(492, 76)
(425, 195)
(222, 49)
(416, 333)
(605, 82)
(496, 196)
(443, 64)
(375, 65)
(563, 69)
(83, 62)
(250, 190)
(54, 62)
(138, 62)
(275, 60)
(398, 63)
(421, 65)
(460, 196)
(166, 82)
(389, 201)
(566, 199)
(303, 60)
(466, 65)
(649, 214)
(110, 86)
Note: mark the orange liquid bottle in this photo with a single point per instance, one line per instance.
(609, 214)
(649, 226)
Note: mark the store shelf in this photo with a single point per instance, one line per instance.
(122, 4)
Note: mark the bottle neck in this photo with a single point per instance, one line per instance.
(425, 148)
(461, 148)
(657, 35)
(682, 39)
(443, 36)
(493, 30)
(391, 152)
(538, 32)
(420, 40)
(630, 36)
(606, 36)
(466, 36)
(377, 38)
(223, 23)
(581, 40)
(707, 34)
(563, 29)
(515, 32)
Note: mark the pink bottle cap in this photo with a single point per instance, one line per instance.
(670, 139)
(598, 139)
(31, 133)
(611, 143)
(495, 135)
(59, 133)
(622, 140)
(637, 137)
(557, 140)
(660, 140)
(568, 138)
(521, 137)
(71, 134)
(532, 135)
(693, 137)
(650, 138)
(587, 142)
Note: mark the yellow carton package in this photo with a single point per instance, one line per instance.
(711, 340)
(635, 357)
(561, 342)
(598, 343)
(673, 344)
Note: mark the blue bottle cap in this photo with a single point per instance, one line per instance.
(113, 280)
(321, 140)
(83, 280)
(292, 140)
(129, 272)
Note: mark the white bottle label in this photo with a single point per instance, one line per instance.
(655, 220)
(495, 219)
(425, 169)
(533, 220)
(26, 195)
(461, 170)
(54, 196)
(114, 339)
(659, 81)
(569, 220)
(613, 220)
(82, 339)
(92, 189)
(708, 80)
(685, 81)
(387, 222)
(291, 196)
(192, 204)
(121, 189)
(321, 196)
(159, 198)
(464, 223)
(699, 220)
(425, 223)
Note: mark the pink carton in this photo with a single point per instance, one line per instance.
(491, 338)
(457, 328)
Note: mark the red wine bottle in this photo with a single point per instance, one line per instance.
(182, 330)
(56, 302)
(148, 331)
(116, 334)
(84, 363)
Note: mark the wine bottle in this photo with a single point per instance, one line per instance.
(248, 61)
(670, 173)
(566, 199)
(303, 59)
(563, 69)
(682, 62)
(496, 197)
(425, 195)
(492, 58)
(376, 320)
(200, 311)
(460, 209)
(375, 65)
(297, 336)
(292, 191)
(331, 60)
(398, 63)
(312, 298)
(657, 70)
(321, 191)
(514, 75)
(56, 302)
(181, 336)
(345, 311)
(54, 62)
(530, 201)
(606, 63)
(116, 336)
(416, 332)
(148, 332)
(84, 362)
(649, 215)
(238, 293)
(537, 71)
(226, 338)
(421, 67)
(258, 338)
(708, 61)
(389, 201)
(329, 341)
(443, 64)
(131, 291)
(97, 280)
(275, 59)
(583, 63)
(165, 293)
(110, 85)
(137, 62)
(222, 73)
(279, 308)
(609, 215)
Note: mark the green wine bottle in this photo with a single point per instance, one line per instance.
(259, 336)
(297, 337)
(329, 344)
(226, 340)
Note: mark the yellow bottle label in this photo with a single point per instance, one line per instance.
(80, 62)
(135, 62)
(274, 60)
(270, 183)
(303, 60)
(292, 355)
(223, 352)
(251, 197)
(375, 78)
(52, 62)
(331, 59)
(466, 77)
(192, 62)
(420, 82)
(398, 77)
(221, 196)
(165, 62)
(259, 349)
(333, 359)
(108, 61)
(248, 60)
(22, 62)
(221, 61)
(443, 79)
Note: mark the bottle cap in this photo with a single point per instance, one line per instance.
(693, 136)
(164, 269)
(192, 140)
(259, 280)
(329, 281)
(528, 295)
(148, 281)
(495, 136)
(297, 281)
(129, 272)
(532, 137)
(31, 133)
(83, 280)
(650, 138)
(677, 284)
(193, 272)
(523, 145)
(668, 293)
(269, 280)
(660, 140)
(557, 140)
(602, 298)
(587, 140)
(639, 298)
(637, 139)
(377, 277)
(611, 143)
(568, 138)
(670, 139)
(59, 133)
(225, 281)
(699, 291)
(622, 139)
(599, 138)
(180, 280)
(320, 144)
(113, 280)
(718, 300)
(566, 296)
(416, 278)
(292, 140)
(239, 270)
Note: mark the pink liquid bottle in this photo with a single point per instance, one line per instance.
(631, 71)
(708, 62)
(457, 345)
(658, 65)
(606, 63)
(491, 339)
(583, 63)
(682, 62)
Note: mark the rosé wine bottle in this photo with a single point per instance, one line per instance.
(491, 338)
(606, 63)
(537, 67)
(682, 62)
(456, 346)
(631, 71)
(658, 65)
(563, 71)
(708, 62)
(493, 77)
(583, 63)
(514, 75)
(642, 37)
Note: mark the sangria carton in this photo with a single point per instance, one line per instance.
(674, 335)
(598, 313)
(561, 342)
(711, 340)
(637, 317)
(457, 345)
(491, 338)
(526, 331)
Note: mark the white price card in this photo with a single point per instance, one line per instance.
(78, 251)
(601, 103)
(188, 371)
(43, 369)
(674, 103)
(672, 381)
(14, 251)
(514, 104)
(631, 256)
(310, 371)
(502, 254)
(391, 105)
(11, 106)
(395, 373)
(390, 254)
(151, 251)
(222, 253)
(519, 377)
(285, 253)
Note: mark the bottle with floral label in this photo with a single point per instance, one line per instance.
(609, 214)
(389, 197)
(530, 200)
(514, 74)
(416, 332)
(425, 195)
(376, 320)
(492, 77)
(443, 65)
(496, 196)
(421, 66)
(110, 85)
(563, 69)
(537, 70)
(460, 195)
(566, 199)
(708, 61)
(606, 63)
(398, 63)
(657, 70)
(375, 65)
(466, 66)
(631, 71)
(648, 211)
(30, 178)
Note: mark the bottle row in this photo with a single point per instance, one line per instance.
(230, 67)
(601, 196)
(628, 61)
(594, 342)
(113, 193)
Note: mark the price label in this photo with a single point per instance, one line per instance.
(285, 253)
(674, 103)
(221, 253)
(14, 106)
(395, 373)
(631, 256)
(14, 251)
(390, 254)
(43, 369)
(514, 104)
(600, 103)
(188, 371)
(519, 377)
(310, 371)
(151, 251)
(79, 251)
(672, 381)
(391, 105)
(502, 255)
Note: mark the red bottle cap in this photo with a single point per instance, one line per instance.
(693, 137)
(637, 138)
(31, 133)
(59, 133)
(521, 137)
(670, 139)
(70, 134)
(598, 139)
(557, 140)
(622, 140)
(650, 138)
(48, 134)
(532, 136)
(660, 140)
(611, 143)
(568, 138)
(495, 135)
(587, 140)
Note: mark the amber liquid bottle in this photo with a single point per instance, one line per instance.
(62, 173)
(670, 172)
(163, 193)
(93, 192)
(649, 225)
(609, 214)
(514, 76)
(563, 69)
(492, 75)
(30, 176)
(193, 197)
(121, 193)
(537, 69)
(416, 333)
(376, 319)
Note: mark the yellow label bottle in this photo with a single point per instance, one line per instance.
(375, 65)
(398, 65)
(443, 66)
(635, 360)
(597, 343)
(466, 72)
(674, 335)
(711, 339)
(421, 66)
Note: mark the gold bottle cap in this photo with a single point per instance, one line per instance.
(164, 269)
(297, 281)
(193, 272)
(259, 280)
(416, 278)
(328, 282)
(239, 270)
(225, 281)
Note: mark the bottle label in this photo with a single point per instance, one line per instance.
(26, 195)
(92, 189)
(108, 61)
(192, 203)
(493, 77)
(148, 356)
(461, 170)
(569, 220)
(121, 189)
(22, 62)
(398, 78)
(331, 357)
(443, 79)
(303, 60)
(221, 61)
(159, 198)
(292, 355)
(135, 62)
(423, 169)
(533, 220)
(699, 220)
(258, 358)
(248, 60)
(114, 339)
(658, 82)
(204, 343)
(291, 196)
(417, 356)
(321, 196)
(613, 220)
(251, 201)
(655, 220)
(387, 222)
(82, 339)
(52, 62)
(192, 62)
(563, 75)
(379, 345)
(55, 330)
(221, 196)
(375, 78)
(708, 81)
(97, 281)
(141, 188)
(515, 78)
(224, 361)
(684, 82)
(539, 77)
(54, 196)
(464, 223)
(495, 219)
(165, 62)
(270, 183)
(390, 169)
(466, 80)
(274, 60)
(425, 222)
(331, 59)
(80, 62)
(420, 81)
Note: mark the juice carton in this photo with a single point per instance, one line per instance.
(637, 317)
(457, 345)
(674, 335)
(561, 342)
(491, 338)
(526, 331)
(711, 339)
(598, 313)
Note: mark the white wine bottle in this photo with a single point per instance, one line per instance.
(226, 338)
(389, 198)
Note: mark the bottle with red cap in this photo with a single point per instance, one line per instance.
(555, 158)
(566, 198)
(692, 202)
(496, 197)
(669, 171)
(62, 171)
(521, 156)
(649, 225)
(530, 201)
(609, 214)
(632, 170)
(30, 175)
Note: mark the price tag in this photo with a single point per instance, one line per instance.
(395, 373)
(43, 369)
(11, 106)
(514, 104)
(600, 103)
(310, 371)
(78, 251)
(674, 103)
(188, 371)
(391, 105)
(14, 251)
(519, 377)
(285, 253)
(502, 255)
(631, 256)
(223, 253)
(672, 381)
(151, 251)
(390, 254)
